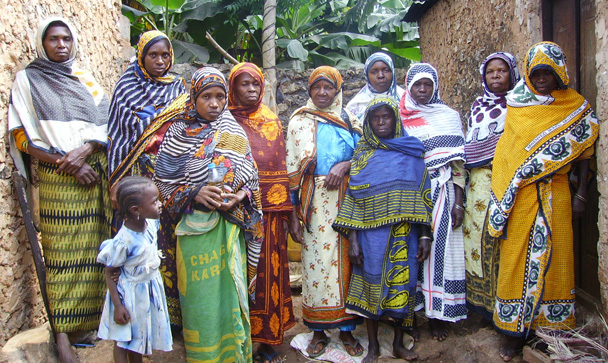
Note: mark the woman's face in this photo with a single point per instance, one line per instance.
(157, 59)
(58, 43)
(544, 81)
(422, 91)
(210, 103)
(382, 121)
(380, 76)
(246, 90)
(497, 76)
(322, 93)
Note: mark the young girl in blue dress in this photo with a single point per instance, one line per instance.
(135, 312)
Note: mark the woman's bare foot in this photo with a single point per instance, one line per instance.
(399, 350)
(439, 329)
(64, 349)
(373, 352)
(403, 353)
(510, 347)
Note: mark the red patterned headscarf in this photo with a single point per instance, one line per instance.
(242, 112)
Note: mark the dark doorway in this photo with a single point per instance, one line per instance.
(571, 24)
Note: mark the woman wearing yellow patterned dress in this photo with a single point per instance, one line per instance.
(549, 130)
(272, 312)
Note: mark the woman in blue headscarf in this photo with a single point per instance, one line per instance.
(381, 81)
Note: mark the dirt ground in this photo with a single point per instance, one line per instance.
(472, 340)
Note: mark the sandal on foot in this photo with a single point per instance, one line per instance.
(264, 356)
(354, 348)
(324, 342)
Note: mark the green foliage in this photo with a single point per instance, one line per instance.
(341, 33)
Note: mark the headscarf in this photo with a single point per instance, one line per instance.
(59, 106)
(358, 104)
(265, 134)
(190, 144)
(434, 123)
(487, 120)
(334, 113)
(243, 112)
(137, 101)
(301, 144)
(377, 196)
(43, 26)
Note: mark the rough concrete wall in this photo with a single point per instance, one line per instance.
(457, 35)
(101, 51)
(601, 60)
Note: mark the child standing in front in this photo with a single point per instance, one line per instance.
(135, 312)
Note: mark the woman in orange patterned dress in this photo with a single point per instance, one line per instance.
(271, 313)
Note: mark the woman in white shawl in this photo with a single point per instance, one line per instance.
(381, 81)
(441, 290)
(58, 114)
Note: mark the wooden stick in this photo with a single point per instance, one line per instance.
(220, 49)
(35, 247)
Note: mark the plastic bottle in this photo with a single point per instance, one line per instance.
(214, 178)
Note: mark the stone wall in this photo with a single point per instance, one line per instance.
(294, 85)
(601, 61)
(103, 50)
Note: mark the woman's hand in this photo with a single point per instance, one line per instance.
(424, 249)
(578, 208)
(295, 227)
(231, 200)
(121, 315)
(354, 252)
(113, 199)
(457, 209)
(336, 175)
(74, 160)
(87, 176)
(210, 197)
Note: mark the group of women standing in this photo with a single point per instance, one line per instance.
(376, 244)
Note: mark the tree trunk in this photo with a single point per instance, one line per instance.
(268, 54)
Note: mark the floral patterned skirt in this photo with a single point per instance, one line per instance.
(272, 312)
(325, 265)
(481, 250)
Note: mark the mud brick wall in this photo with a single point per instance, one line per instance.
(103, 50)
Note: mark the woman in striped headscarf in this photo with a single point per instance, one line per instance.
(217, 226)
(550, 132)
(441, 292)
(271, 312)
(320, 142)
(145, 99)
(380, 81)
(53, 98)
